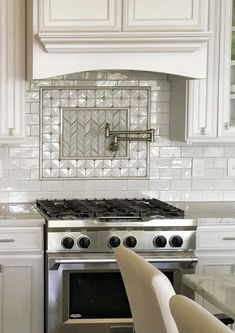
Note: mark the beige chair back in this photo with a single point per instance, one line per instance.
(148, 291)
(191, 317)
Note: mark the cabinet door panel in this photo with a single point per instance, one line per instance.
(227, 75)
(21, 294)
(12, 70)
(154, 15)
(79, 15)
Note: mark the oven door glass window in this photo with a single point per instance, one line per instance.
(97, 295)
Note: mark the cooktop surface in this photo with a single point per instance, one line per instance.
(113, 208)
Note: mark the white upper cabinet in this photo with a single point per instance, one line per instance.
(227, 72)
(165, 15)
(79, 15)
(12, 70)
(194, 103)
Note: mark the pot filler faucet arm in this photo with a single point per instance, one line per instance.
(125, 136)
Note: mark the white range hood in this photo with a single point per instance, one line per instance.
(67, 36)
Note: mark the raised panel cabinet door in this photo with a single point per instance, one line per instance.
(12, 71)
(21, 294)
(227, 72)
(79, 15)
(165, 15)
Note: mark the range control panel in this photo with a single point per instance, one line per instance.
(105, 241)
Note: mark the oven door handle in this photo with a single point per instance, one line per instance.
(55, 263)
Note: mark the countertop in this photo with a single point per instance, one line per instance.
(25, 214)
(209, 212)
(19, 215)
(217, 289)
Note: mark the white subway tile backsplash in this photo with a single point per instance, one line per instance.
(213, 151)
(170, 195)
(9, 186)
(94, 185)
(3, 153)
(192, 151)
(229, 195)
(160, 162)
(19, 196)
(224, 184)
(181, 163)
(116, 185)
(170, 162)
(220, 162)
(213, 195)
(169, 173)
(213, 173)
(138, 185)
(170, 152)
(19, 174)
(202, 184)
(32, 186)
(11, 164)
(52, 186)
(179, 184)
(159, 185)
(190, 196)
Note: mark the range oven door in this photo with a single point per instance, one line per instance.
(86, 294)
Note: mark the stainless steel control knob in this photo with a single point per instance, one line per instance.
(160, 241)
(84, 242)
(176, 241)
(114, 241)
(67, 242)
(130, 241)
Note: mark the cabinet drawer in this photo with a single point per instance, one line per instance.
(216, 238)
(21, 239)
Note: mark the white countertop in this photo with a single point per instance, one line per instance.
(19, 214)
(22, 214)
(217, 289)
(208, 211)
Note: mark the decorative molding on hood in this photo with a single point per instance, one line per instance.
(123, 42)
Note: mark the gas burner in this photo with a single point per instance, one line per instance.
(112, 209)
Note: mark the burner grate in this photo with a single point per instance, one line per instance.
(83, 209)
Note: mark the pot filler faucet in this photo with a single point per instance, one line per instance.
(141, 135)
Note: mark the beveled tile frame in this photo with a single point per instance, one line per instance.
(148, 90)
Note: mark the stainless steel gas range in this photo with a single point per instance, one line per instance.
(84, 289)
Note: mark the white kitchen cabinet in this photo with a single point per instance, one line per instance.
(122, 15)
(154, 15)
(79, 15)
(194, 103)
(21, 280)
(227, 72)
(12, 71)
(215, 250)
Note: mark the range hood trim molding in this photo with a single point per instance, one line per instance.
(55, 42)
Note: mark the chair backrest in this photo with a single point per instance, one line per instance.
(191, 317)
(148, 291)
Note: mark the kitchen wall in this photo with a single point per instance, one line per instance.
(173, 165)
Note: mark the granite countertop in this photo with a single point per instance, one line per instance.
(217, 289)
(19, 214)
